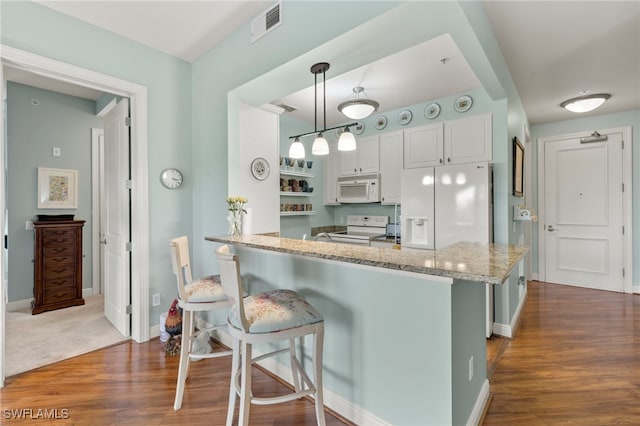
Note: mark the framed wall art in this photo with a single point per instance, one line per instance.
(57, 188)
(518, 168)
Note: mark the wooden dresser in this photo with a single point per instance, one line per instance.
(58, 265)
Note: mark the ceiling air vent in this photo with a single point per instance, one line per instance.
(266, 22)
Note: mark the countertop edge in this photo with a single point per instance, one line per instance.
(391, 266)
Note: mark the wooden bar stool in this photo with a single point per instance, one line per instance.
(204, 294)
(264, 318)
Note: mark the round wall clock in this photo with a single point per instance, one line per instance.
(171, 178)
(432, 110)
(260, 168)
(463, 103)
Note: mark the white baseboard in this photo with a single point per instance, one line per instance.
(636, 288)
(508, 330)
(534, 277)
(340, 405)
(154, 331)
(480, 405)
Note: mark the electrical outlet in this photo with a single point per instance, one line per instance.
(471, 368)
(56, 152)
(28, 225)
(155, 299)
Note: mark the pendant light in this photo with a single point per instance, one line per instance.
(296, 150)
(346, 142)
(320, 145)
(358, 108)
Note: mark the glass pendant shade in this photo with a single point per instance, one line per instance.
(346, 142)
(296, 150)
(320, 145)
(585, 103)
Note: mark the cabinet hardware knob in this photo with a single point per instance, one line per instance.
(441, 161)
(448, 159)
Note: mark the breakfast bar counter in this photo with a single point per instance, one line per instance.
(484, 263)
(404, 329)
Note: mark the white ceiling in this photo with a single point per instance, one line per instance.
(554, 51)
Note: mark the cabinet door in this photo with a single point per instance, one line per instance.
(423, 146)
(469, 139)
(390, 166)
(368, 155)
(331, 176)
(347, 162)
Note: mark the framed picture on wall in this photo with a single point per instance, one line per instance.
(57, 188)
(518, 168)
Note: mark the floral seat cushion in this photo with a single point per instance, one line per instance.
(274, 311)
(206, 289)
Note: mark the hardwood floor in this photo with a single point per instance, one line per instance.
(134, 384)
(575, 360)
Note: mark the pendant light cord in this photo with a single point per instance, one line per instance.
(315, 103)
(324, 97)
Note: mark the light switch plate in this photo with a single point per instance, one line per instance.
(57, 152)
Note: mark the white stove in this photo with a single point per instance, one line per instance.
(361, 230)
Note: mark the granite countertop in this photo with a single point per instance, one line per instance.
(486, 263)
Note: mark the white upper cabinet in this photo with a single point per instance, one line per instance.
(465, 140)
(390, 166)
(469, 139)
(364, 160)
(424, 146)
(330, 176)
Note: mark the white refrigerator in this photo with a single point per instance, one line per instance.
(447, 204)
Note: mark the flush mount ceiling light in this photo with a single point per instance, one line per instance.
(320, 145)
(585, 103)
(358, 108)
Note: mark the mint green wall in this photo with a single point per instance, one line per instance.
(34, 28)
(353, 302)
(589, 124)
(32, 131)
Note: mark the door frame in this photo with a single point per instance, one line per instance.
(97, 203)
(627, 200)
(138, 96)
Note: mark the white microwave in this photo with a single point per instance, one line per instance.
(359, 189)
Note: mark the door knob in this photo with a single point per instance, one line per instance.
(550, 228)
(103, 241)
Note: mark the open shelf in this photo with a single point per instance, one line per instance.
(297, 213)
(297, 194)
(296, 174)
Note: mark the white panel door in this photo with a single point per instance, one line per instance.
(117, 291)
(583, 213)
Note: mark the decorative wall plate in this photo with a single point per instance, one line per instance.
(405, 117)
(463, 103)
(432, 111)
(260, 168)
(381, 122)
(358, 128)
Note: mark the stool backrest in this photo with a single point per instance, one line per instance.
(181, 263)
(232, 282)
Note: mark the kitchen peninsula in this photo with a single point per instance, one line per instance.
(404, 329)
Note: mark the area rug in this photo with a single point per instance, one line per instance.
(36, 340)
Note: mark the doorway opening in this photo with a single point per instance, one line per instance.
(139, 176)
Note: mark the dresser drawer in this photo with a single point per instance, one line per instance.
(55, 294)
(54, 272)
(56, 261)
(58, 250)
(58, 236)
